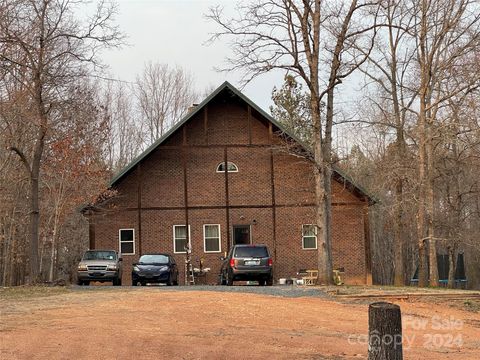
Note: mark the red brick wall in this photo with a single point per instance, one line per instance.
(252, 184)
(160, 171)
(160, 181)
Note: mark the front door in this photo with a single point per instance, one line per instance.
(241, 234)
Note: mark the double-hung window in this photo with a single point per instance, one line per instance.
(211, 238)
(180, 238)
(126, 239)
(309, 237)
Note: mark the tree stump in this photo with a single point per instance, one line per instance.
(384, 332)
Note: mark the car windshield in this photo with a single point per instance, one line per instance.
(100, 255)
(153, 259)
(251, 251)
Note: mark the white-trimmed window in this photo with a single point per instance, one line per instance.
(309, 237)
(126, 238)
(180, 238)
(231, 167)
(211, 238)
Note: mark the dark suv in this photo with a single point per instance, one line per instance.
(247, 262)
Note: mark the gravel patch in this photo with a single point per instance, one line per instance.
(287, 291)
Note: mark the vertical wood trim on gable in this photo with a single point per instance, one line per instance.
(91, 232)
(185, 183)
(185, 190)
(368, 257)
(249, 121)
(274, 207)
(139, 204)
(205, 123)
(227, 198)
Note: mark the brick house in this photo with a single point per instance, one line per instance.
(264, 195)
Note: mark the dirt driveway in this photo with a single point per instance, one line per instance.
(159, 323)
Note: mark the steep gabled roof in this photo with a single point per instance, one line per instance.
(338, 174)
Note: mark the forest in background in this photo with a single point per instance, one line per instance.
(412, 139)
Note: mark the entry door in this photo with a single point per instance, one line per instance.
(241, 234)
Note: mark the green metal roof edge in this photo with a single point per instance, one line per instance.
(197, 109)
(372, 199)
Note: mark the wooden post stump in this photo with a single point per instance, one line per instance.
(384, 332)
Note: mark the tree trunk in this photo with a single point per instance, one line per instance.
(321, 197)
(34, 227)
(422, 156)
(430, 197)
(328, 222)
(327, 170)
(399, 273)
(455, 230)
(56, 220)
(422, 266)
(41, 257)
(451, 267)
(433, 264)
(324, 275)
(384, 332)
(326, 146)
(399, 267)
(52, 255)
(10, 253)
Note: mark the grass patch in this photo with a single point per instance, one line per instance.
(384, 289)
(30, 292)
(471, 305)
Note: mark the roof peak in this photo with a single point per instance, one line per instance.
(188, 116)
(196, 109)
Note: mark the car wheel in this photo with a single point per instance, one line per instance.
(169, 281)
(229, 279)
(116, 282)
(79, 282)
(269, 281)
(86, 282)
(134, 283)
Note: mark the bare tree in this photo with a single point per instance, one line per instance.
(457, 169)
(164, 94)
(388, 68)
(44, 47)
(446, 33)
(73, 169)
(13, 185)
(125, 132)
(421, 46)
(297, 37)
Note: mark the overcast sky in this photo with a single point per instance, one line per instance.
(175, 32)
